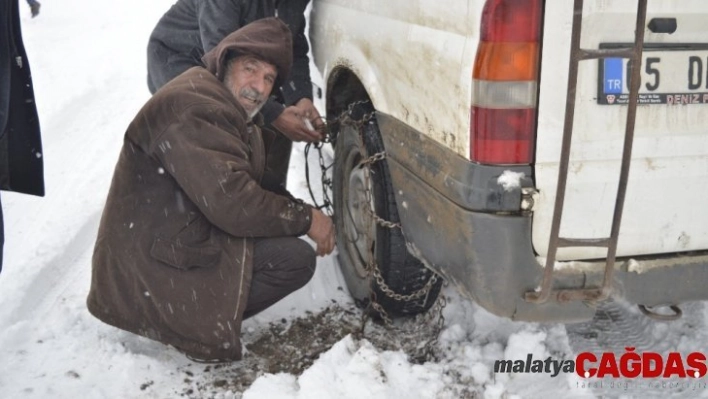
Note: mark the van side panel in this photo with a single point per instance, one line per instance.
(437, 38)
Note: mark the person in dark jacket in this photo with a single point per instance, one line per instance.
(192, 240)
(190, 28)
(21, 165)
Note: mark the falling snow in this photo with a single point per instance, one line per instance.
(51, 347)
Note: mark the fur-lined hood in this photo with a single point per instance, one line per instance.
(267, 38)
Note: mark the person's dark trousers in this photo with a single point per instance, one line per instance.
(281, 265)
(277, 149)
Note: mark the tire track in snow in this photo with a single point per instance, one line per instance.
(57, 275)
(617, 326)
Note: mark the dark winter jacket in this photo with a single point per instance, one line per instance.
(192, 27)
(21, 164)
(173, 257)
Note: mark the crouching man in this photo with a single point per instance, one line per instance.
(191, 242)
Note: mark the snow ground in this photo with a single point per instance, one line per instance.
(88, 63)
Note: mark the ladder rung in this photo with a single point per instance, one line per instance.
(578, 54)
(584, 242)
(583, 294)
(606, 53)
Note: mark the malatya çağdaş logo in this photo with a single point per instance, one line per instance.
(629, 364)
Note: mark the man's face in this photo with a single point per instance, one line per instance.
(251, 81)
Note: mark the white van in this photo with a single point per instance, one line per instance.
(470, 101)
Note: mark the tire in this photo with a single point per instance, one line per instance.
(402, 272)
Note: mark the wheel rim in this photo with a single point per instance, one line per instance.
(358, 227)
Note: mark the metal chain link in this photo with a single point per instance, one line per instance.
(373, 266)
(367, 163)
(427, 351)
(324, 179)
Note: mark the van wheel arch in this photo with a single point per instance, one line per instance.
(344, 88)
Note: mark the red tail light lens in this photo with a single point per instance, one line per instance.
(505, 136)
(511, 21)
(503, 116)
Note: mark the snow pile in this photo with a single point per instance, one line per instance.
(510, 180)
(353, 370)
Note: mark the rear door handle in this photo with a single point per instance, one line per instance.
(663, 25)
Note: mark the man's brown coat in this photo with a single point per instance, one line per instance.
(173, 257)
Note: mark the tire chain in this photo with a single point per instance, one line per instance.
(427, 351)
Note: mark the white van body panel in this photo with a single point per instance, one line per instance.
(440, 40)
(665, 208)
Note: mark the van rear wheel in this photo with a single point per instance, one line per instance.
(356, 190)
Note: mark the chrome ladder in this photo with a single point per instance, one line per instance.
(577, 54)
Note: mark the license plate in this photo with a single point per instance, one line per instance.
(672, 74)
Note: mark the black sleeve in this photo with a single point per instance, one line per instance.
(299, 85)
(271, 110)
(217, 19)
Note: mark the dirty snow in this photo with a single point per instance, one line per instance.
(574, 266)
(88, 63)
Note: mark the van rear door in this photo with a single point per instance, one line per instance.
(665, 208)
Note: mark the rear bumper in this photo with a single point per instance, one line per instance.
(461, 223)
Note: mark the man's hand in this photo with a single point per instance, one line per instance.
(311, 113)
(300, 122)
(322, 232)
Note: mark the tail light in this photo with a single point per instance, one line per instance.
(505, 80)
